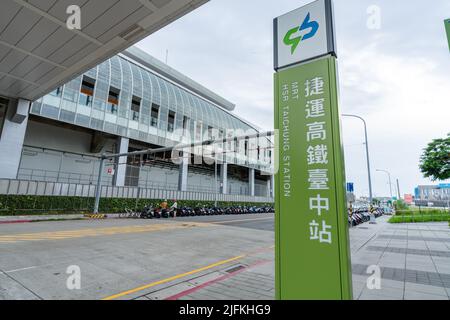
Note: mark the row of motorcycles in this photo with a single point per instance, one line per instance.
(156, 213)
(361, 215)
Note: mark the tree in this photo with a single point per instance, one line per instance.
(400, 205)
(435, 161)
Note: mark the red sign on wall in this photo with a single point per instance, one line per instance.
(408, 198)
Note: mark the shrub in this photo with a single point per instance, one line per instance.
(28, 205)
(400, 205)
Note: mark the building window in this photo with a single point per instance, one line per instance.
(198, 131)
(57, 92)
(185, 124)
(135, 108)
(210, 133)
(171, 121)
(87, 91)
(154, 115)
(113, 100)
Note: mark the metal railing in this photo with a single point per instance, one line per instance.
(47, 188)
(58, 176)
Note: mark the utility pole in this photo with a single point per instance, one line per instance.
(398, 190)
(390, 182)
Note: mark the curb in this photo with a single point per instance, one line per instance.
(16, 221)
(96, 216)
(38, 220)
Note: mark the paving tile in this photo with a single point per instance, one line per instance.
(170, 291)
(382, 294)
(428, 289)
(415, 295)
(386, 283)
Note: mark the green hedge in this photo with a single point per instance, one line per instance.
(24, 205)
(419, 218)
(417, 212)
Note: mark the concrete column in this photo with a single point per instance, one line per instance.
(224, 178)
(121, 162)
(269, 186)
(251, 181)
(183, 172)
(12, 138)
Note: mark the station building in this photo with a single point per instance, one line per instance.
(133, 102)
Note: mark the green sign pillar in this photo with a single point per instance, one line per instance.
(447, 29)
(311, 229)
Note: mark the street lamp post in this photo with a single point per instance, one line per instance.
(367, 152)
(390, 183)
(398, 190)
(215, 182)
(218, 151)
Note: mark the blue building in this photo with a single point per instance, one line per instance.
(432, 192)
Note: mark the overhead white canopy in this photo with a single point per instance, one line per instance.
(38, 52)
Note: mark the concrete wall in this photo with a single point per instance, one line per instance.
(52, 137)
(201, 181)
(47, 165)
(42, 162)
(11, 140)
(158, 177)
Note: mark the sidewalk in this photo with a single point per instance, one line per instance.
(414, 260)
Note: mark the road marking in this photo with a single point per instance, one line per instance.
(125, 293)
(21, 269)
(71, 234)
(218, 279)
(241, 220)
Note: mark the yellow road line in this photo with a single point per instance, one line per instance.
(125, 293)
(68, 234)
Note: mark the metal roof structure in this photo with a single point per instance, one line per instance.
(39, 53)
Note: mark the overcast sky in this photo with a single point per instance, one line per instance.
(397, 77)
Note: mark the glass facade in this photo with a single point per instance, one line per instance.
(121, 98)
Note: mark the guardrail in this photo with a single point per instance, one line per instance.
(45, 188)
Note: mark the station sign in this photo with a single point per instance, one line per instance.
(304, 33)
(311, 222)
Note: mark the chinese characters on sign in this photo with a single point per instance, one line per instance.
(317, 154)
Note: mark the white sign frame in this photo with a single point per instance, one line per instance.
(318, 27)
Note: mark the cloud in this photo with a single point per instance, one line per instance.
(405, 101)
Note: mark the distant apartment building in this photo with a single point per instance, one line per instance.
(433, 192)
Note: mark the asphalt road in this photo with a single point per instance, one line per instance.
(251, 221)
(118, 255)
